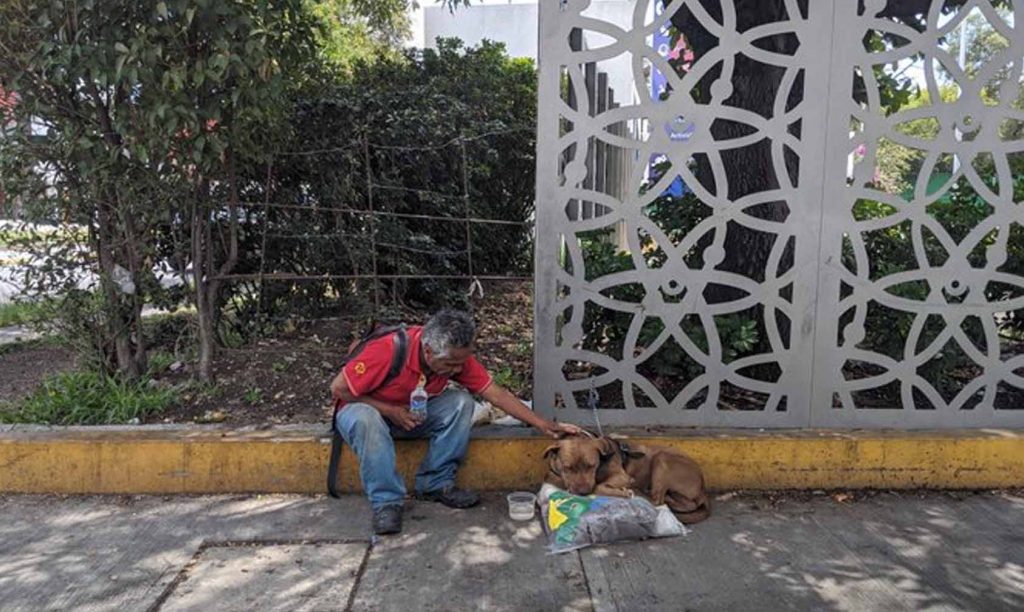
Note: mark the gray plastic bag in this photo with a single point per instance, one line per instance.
(573, 522)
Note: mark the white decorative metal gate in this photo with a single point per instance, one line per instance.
(797, 213)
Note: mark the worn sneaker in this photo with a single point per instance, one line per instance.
(387, 520)
(452, 497)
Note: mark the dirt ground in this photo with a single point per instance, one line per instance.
(22, 368)
(285, 378)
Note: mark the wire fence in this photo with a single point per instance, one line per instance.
(371, 209)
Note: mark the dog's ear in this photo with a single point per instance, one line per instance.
(607, 447)
(551, 451)
(630, 451)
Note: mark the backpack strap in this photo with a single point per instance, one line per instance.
(399, 353)
(337, 444)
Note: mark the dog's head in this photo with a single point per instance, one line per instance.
(576, 459)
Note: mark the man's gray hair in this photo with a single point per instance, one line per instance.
(449, 329)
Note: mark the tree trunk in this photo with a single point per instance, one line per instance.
(132, 247)
(201, 273)
(206, 273)
(118, 320)
(748, 169)
(754, 88)
(121, 318)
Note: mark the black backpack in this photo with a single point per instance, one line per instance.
(401, 345)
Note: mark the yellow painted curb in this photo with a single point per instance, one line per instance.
(209, 459)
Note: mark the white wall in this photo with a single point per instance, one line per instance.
(514, 22)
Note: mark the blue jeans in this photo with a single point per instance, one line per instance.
(449, 419)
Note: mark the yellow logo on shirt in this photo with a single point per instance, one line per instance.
(360, 367)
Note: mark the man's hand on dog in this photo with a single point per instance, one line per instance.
(560, 430)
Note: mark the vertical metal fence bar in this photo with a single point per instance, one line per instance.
(263, 238)
(372, 222)
(469, 215)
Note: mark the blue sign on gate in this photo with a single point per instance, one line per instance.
(679, 128)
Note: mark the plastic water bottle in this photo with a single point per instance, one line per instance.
(418, 403)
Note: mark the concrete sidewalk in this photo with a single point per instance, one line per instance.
(886, 551)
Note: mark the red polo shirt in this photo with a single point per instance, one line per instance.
(367, 371)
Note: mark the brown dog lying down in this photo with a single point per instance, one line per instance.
(604, 466)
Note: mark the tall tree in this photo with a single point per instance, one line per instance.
(147, 109)
(754, 87)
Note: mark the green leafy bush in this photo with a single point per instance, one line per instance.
(88, 398)
(605, 330)
(407, 136)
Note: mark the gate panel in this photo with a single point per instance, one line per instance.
(922, 295)
(678, 230)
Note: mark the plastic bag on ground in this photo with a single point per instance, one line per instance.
(573, 521)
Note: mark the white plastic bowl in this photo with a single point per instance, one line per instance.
(521, 505)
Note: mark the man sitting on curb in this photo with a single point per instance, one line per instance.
(371, 413)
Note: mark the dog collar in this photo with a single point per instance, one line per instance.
(623, 451)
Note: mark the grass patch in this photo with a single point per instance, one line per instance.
(52, 340)
(88, 398)
(16, 238)
(160, 362)
(253, 396)
(509, 378)
(13, 239)
(21, 313)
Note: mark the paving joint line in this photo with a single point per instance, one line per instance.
(586, 579)
(359, 575)
(183, 573)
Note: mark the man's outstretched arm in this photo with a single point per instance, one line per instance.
(503, 399)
